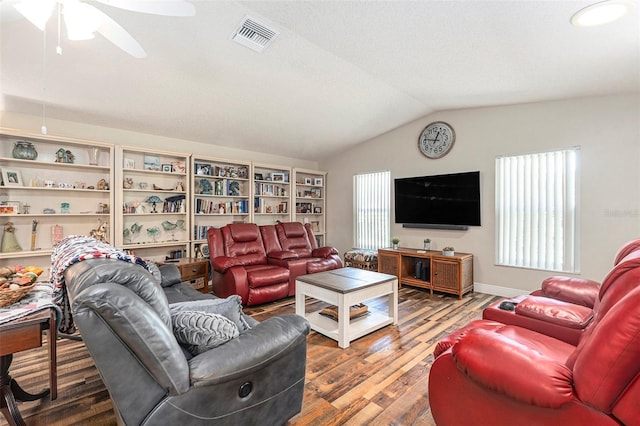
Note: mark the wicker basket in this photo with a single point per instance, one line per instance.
(9, 297)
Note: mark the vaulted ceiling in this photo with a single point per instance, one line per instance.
(338, 73)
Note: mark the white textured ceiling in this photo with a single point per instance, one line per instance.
(338, 74)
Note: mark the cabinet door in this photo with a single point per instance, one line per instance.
(445, 275)
(389, 263)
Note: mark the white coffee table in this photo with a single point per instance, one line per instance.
(343, 288)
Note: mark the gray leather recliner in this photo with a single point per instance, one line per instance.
(123, 316)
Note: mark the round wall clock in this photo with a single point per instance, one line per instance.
(436, 139)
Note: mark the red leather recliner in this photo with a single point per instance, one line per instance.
(495, 374)
(563, 320)
(239, 265)
(293, 246)
(580, 291)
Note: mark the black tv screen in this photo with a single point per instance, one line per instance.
(451, 199)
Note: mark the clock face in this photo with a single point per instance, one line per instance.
(436, 139)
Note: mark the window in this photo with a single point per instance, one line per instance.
(372, 211)
(537, 210)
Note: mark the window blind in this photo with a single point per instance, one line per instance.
(372, 209)
(537, 210)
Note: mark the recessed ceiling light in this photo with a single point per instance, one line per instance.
(602, 13)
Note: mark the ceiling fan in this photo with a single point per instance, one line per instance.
(83, 20)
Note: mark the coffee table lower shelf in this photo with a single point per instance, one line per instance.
(361, 326)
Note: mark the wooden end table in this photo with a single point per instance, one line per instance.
(196, 271)
(19, 335)
(344, 288)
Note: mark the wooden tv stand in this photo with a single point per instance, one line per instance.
(448, 274)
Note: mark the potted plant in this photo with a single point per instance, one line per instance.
(448, 251)
(395, 241)
(427, 243)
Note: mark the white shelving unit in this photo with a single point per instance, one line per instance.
(53, 196)
(309, 201)
(221, 194)
(159, 232)
(271, 193)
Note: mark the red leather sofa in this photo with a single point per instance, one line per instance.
(565, 320)
(249, 260)
(495, 374)
(293, 246)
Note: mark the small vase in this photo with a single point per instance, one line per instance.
(93, 156)
(427, 246)
(395, 246)
(24, 150)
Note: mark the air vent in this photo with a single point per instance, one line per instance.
(254, 35)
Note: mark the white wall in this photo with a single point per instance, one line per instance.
(69, 129)
(606, 128)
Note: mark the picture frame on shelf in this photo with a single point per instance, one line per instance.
(307, 181)
(11, 177)
(318, 181)
(178, 167)
(258, 176)
(128, 163)
(277, 177)
(152, 162)
(166, 168)
(203, 169)
(315, 226)
(10, 207)
(317, 210)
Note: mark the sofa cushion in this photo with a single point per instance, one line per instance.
(201, 331)
(230, 308)
(264, 275)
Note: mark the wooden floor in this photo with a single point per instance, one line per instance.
(381, 379)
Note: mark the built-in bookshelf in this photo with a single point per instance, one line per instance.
(221, 194)
(271, 193)
(309, 196)
(52, 187)
(153, 202)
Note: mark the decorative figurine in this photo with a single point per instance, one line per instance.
(128, 183)
(205, 187)
(153, 232)
(103, 208)
(135, 229)
(126, 234)
(103, 185)
(25, 208)
(64, 156)
(100, 233)
(9, 242)
(234, 188)
(64, 207)
(34, 225)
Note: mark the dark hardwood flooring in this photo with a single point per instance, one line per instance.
(381, 379)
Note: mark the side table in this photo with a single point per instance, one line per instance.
(196, 271)
(19, 335)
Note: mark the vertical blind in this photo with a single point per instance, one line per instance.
(537, 210)
(372, 209)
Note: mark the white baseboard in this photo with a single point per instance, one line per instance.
(498, 291)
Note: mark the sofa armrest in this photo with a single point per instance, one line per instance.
(324, 252)
(222, 263)
(513, 369)
(579, 291)
(251, 351)
(283, 255)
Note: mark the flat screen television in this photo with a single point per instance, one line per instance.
(438, 201)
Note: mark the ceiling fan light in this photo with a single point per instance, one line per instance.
(81, 20)
(601, 13)
(37, 12)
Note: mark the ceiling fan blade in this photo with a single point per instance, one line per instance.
(37, 12)
(164, 7)
(117, 35)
